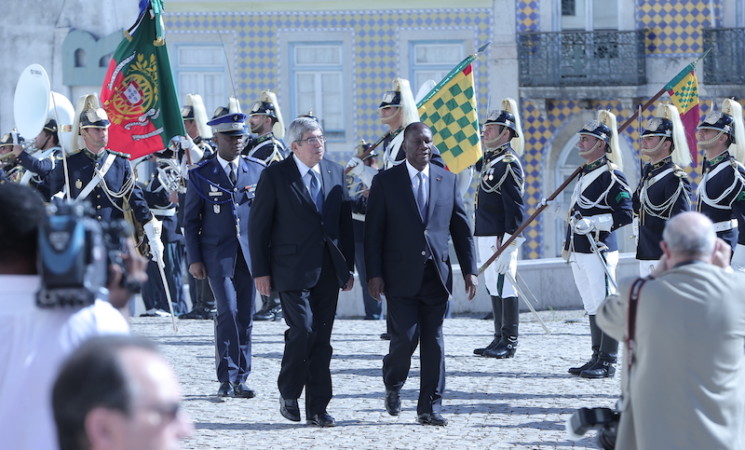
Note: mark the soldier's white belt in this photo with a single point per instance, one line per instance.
(163, 212)
(725, 226)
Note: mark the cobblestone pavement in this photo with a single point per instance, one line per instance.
(519, 403)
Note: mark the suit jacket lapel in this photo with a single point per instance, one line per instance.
(296, 181)
(326, 180)
(435, 184)
(407, 187)
(221, 178)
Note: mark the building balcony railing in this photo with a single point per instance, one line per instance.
(725, 63)
(582, 58)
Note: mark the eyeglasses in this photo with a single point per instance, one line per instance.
(314, 140)
(162, 414)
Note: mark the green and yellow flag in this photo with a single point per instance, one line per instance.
(450, 111)
(683, 91)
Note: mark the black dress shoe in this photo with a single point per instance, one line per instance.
(264, 315)
(392, 402)
(323, 420)
(226, 390)
(492, 344)
(385, 336)
(289, 409)
(197, 314)
(243, 391)
(432, 419)
(277, 310)
(505, 349)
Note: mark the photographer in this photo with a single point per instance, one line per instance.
(683, 387)
(34, 340)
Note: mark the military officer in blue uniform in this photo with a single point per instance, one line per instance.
(102, 176)
(265, 122)
(664, 189)
(721, 192)
(601, 203)
(499, 212)
(216, 212)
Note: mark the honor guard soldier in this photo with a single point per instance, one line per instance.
(161, 194)
(191, 150)
(216, 211)
(499, 212)
(664, 189)
(265, 120)
(358, 192)
(102, 176)
(8, 162)
(601, 203)
(721, 192)
(47, 154)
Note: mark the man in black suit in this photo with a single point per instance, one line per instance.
(411, 211)
(302, 244)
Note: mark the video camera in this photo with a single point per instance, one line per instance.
(603, 419)
(75, 252)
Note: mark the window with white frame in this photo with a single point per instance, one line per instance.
(201, 69)
(317, 84)
(433, 59)
(589, 15)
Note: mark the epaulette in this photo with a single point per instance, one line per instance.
(75, 152)
(678, 172)
(254, 160)
(123, 155)
(200, 163)
(509, 158)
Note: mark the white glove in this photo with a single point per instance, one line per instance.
(635, 228)
(355, 166)
(509, 256)
(586, 225)
(153, 230)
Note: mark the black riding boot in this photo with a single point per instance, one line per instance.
(607, 356)
(496, 307)
(596, 336)
(510, 321)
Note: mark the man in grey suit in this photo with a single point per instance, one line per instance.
(302, 245)
(412, 210)
(687, 348)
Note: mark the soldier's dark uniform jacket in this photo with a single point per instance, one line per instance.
(499, 202)
(163, 209)
(600, 189)
(664, 191)
(721, 197)
(41, 166)
(107, 207)
(266, 148)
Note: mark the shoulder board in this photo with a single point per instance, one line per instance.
(200, 163)
(254, 160)
(75, 152)
(123, 155)
(509, 158)
(680, 173)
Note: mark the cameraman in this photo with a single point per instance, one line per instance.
(684, 388)
(34, 341)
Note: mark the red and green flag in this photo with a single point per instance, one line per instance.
(138, 92)
(683, 91)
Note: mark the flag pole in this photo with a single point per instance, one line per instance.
(544, 202)
(393, 134)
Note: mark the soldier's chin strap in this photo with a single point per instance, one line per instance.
(656, 147)
(392, 116)
(592, 149)
(712, 140)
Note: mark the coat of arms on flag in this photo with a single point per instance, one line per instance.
(138, 92)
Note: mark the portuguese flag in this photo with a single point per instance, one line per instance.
(138, 92)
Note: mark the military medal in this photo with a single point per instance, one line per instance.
(216, 208)
(78, 184)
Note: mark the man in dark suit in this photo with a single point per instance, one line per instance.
(302, 244)
(411, 211)
(218, 201)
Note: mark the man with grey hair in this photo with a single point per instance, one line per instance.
(691, 305)
(302, 244)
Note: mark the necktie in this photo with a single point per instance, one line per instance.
(231, 175)
(315, 190)
(420, 198)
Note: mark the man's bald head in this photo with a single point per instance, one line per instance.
(690, 235)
